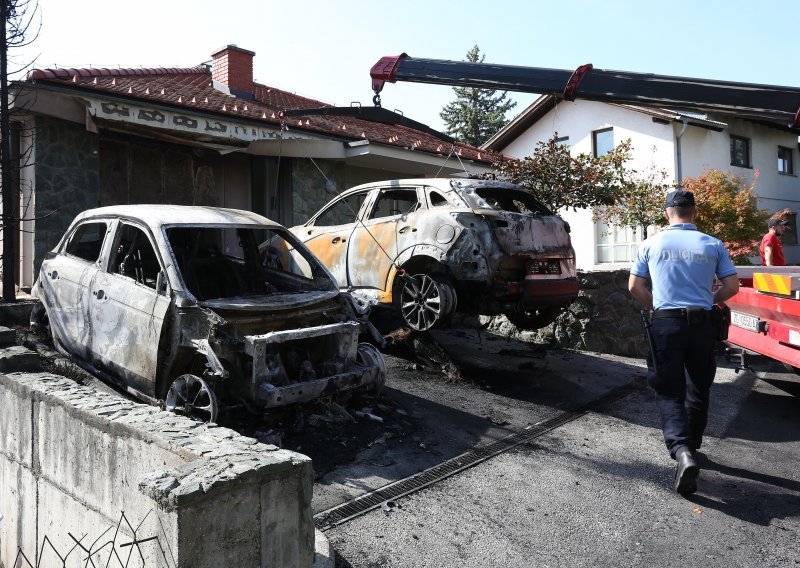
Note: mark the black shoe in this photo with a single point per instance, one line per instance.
(686, 473)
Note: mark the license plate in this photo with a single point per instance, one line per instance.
(544, 267)
(744, 321)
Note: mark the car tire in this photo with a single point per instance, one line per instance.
(534, 320)
(426, 301)
(193, 397)
(369, 355)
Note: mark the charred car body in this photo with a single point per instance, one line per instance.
(431, 246)
(198, 307)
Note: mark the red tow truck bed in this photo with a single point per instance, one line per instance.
(765, 313)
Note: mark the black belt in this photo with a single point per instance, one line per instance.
(696, 312)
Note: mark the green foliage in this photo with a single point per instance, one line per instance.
(559, 180)
(728, 210)
(477, 114)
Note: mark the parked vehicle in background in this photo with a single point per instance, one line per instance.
(201, 308)
(430, 247)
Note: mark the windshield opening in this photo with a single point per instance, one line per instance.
(228, 262)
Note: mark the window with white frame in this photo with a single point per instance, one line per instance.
(785, 161)
(616, 244)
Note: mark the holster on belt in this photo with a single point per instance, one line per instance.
(647, 328)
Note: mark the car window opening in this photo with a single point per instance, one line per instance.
(395, 202)
(511, 201)
(87, 241)
(233, 262)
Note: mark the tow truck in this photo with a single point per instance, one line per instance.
(765, 313)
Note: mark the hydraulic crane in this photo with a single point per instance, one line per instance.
(765, 103)
(765, 314)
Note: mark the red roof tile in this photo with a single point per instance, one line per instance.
(192, 88)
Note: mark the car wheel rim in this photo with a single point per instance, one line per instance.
(191, 396)
(424, 301)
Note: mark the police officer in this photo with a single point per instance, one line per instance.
(681, 263)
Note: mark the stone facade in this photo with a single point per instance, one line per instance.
(605, 318)
(311, 190)
(67, 179)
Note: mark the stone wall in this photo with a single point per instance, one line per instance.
(67, 179)
(605, 318)
(311, 191)
(73, 461)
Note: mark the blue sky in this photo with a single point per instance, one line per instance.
(324, 49)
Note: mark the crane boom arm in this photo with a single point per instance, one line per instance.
(780, 105)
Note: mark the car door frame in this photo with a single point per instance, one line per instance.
(373, 253)
(127, 318)
(64, 282)
(335, 256)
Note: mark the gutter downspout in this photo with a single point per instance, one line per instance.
(678, 149)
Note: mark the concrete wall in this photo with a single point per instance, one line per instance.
(74, 460)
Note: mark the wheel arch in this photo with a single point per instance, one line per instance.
(431, 264)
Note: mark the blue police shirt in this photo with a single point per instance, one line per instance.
(681, 261)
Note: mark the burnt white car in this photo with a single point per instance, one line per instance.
(200, 308)
(430, 247)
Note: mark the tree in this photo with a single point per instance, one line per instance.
(17, 17)
(558, 179)
(728, 210)
(477, 114)
(639, 203)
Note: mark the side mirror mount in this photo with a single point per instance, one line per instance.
(162, 287)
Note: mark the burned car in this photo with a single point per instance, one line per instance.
(429, 247)
(201, 308)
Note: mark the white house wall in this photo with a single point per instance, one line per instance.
(703, 150)
(654, 146)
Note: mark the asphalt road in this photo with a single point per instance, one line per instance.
(596, 491)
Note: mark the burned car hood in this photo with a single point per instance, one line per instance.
(518, 233)
(279, 301)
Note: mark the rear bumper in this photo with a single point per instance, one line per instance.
(539, 292)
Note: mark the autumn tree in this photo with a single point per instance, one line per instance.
(639, 202)
(560, 180)
(477, 114)
(728, 210)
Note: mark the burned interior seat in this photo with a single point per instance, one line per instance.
(212, 277)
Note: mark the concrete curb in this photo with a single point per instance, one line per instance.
(16, 313)
(324, 556)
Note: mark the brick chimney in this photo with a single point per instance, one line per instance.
(233, 66)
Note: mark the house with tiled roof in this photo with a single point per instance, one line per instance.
(683, 143)
(205, 135)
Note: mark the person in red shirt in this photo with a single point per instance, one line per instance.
(771, 248)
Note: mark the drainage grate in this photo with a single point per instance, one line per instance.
(374, 499)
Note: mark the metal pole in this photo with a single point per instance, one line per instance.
(9, 256)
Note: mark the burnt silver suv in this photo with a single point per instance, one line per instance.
(433, 246)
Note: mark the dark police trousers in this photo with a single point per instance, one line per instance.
(686, 360)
